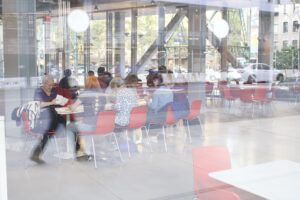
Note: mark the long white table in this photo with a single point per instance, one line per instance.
(277, 180)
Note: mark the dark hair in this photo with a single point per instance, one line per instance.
(91, 73)
(158, 77)
(131, 80)
(101, 70)
(67, 72)
(162, 69)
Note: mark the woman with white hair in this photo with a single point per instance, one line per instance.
(49, 119)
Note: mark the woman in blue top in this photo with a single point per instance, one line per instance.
(161, 98)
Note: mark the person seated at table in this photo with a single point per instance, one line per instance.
(126, 99)
(180, 104)
(112, 89)
(161, 98)
(87, 98)
(67, 86)
(104, 77)
(49, 120)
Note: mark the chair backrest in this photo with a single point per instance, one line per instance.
(246, 95)
(138, 117)
(226, 91)
(260, 93)
(209, 87)
(25, 122)
(206, 160)
(235, 91)
(170, 118)
(195, 109)
(105, 122)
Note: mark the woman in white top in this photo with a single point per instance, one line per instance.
(112, 89)
(126, 99)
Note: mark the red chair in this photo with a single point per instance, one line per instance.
(246, 97)
(260, 96)
(227, 95)
(194, 114)
(170, 120)
(138, 119)
(105, 126)
(31, 135)
(206, 160)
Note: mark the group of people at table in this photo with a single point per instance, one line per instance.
(100, 91)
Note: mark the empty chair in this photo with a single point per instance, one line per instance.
(227, 96)
(246, 97)
(194, 114)
(137, 120)
(104, 127)
(209, 159)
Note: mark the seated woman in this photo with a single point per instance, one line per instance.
(126, 99)
(181, 104)
(88, 98)
(161, 98)
(49, 120)
(112, 89)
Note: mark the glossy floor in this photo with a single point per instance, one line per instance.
(158, 175)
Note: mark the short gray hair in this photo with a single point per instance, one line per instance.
(47, 78)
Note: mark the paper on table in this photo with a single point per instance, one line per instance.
(61, 100)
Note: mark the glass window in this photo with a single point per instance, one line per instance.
(266, 67)
(295, 43)
(285, 27)
(295, 26)
(285, 43)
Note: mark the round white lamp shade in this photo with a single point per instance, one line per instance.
(78, 21)
(221, 28)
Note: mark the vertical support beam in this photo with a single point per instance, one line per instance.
(161, 50)
(109, 40)
(265, 39)
(66, 36)
(196, 51)
(223, 49)
(87, 50)
(47, 31)
(19, 41)
(119, 44)
(3, 173)
(134, 15)
(197, 39)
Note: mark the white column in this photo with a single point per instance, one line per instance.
(3, 176)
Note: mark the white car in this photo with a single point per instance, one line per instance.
(233, 74)
(260, 72)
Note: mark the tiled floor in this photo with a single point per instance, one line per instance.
(158, 175)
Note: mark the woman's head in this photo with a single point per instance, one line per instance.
(131, 80)
(116, 82)
(48, 82)
(157, 79)
(92, 82)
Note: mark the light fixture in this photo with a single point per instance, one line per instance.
(221, 28)
(78, 21)
(152, 2)
(96, 8)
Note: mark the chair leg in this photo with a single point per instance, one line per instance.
(118, 146)
(147, 132)
(164, 134)
(94, 152)
(128, 147)
(189, 131)
(57, 148)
